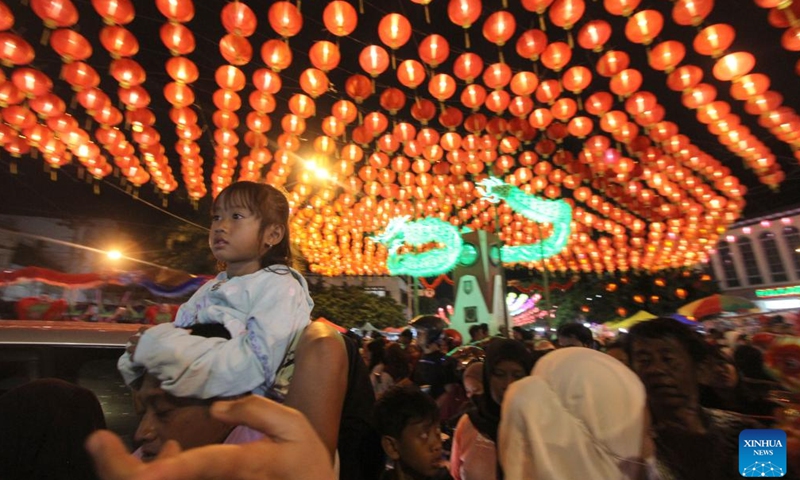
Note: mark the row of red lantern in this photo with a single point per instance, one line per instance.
(785, 14)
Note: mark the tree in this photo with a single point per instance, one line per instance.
(350, 306)
(183, 247)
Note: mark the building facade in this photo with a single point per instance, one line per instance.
(759, 259)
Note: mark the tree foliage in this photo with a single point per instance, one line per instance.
(184, 247)
(350, 306)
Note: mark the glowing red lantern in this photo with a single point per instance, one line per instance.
(580, 127)
(47, 105)
(548, 91)
(566, 13)
(374, 60)
(791, 39)
(520, 106)
(434, 50)
(178, 39)
(267, 81)
(178, 94)
(622, 8)
(556, 56)
(10, 95)
(225, 119)
(6, 17)
(176, 11)
(411, 73)
(31, 82)
(684, 77)
(499, 27)
(314, 82)
(464, 12)
(667, 55)
(394, 30)
(285, 19)
(345, 111)
(119, 41)
(576, 79)
(301, 105)
(182, 70)
(324, 55)
(594, 34)
(599, 103)
(340, 18)
(451, 118)
(497, 101)
(423, 110)
(531, 44)
(238, 19)
(230, 78)
(55, 13)
(524, 83)
(691, 12)
(612, 62)
(235, 49)
(70, 45)
(276, 54)
(127, 72)
(749, 86)
(392, 100)
(468, 66)
(540, 118)
(714, 40)
(358, 87)
(14, 50)
(497, 75)
(473, 96)
(564, 109)
(733, 66)
(80, 75)
(114, 11)
(644, 26)
(134, 97)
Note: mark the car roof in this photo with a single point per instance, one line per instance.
(65, 333)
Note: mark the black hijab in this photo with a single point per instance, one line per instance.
(484, 413)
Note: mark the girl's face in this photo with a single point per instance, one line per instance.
(502, 375)
(236, 238)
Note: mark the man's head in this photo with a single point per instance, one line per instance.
(408, 422)
(667, 356)
(574, 335)
(406, 337)
(429, 330)
(166, 417)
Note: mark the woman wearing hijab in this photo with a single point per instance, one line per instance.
(43, 427)
(474, 454)
(581, 414)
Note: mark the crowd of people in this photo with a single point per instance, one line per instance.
(243, 385)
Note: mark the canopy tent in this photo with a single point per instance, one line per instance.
(368, 327)
(338, 328)
(637, 317)
(623, 109)
(716, 304)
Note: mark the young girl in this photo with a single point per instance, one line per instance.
(262, 301)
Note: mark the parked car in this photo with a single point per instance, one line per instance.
(78, 352)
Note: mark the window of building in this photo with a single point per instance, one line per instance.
(749, 260)
(728, 267)
(792, 237)
(770, 247)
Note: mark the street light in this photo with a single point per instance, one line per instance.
(114, 254)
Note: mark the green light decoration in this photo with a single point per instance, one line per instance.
(450, 247)
(778, 292)
(400, 232)
(556, 212)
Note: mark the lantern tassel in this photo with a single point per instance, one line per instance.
(394, 61)
(542, 25)
(53, 174)
(427, 15)
(13, 167)
(500, 55)
(570, 41)
(298, 5)
(45, 36)
(580, 102)
(466, 38)
(96, 188)
(361, 6)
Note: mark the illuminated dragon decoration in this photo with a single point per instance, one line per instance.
(401, 232)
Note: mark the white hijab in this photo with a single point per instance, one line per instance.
(581, 414)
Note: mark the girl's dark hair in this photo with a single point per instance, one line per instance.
(272, 208)
(376, 352)
(396, 362)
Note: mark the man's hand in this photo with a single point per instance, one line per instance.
(133, 341)
(290, 451)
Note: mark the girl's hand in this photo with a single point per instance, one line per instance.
(133, 341)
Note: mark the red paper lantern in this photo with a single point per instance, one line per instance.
(548, 91)
(411, 73)
(468, 66)
(267, 81)
(612, 62)
(178, 94)
(70, 45)
(392, 100)
(55, 13)
(276, 54)
(340, 18)
(566, 13)
(178, 39)
(235, 49)
(524, 83)
(497, 75)
(594, 34)
(691, 12)
(134, 97)
(115, 11)
(80, 75)
(127, 72)
(47, 105)
(176, 11)
(230, 78)
(464, 12)
(345, 111)
(684, 77)
(580, 127)
(285, 19)
(314, 82)
(238, 19)
(733, 66)
(473, 96)
(14, 50)
(182, 70)
(531, 44)
(643, 27)
(599, 103)
(10, 95)
(564, 109)
(667, 55)
(324, 55)
(714, 40)
(374, 60)
(556, 56)
(749, 86)
(6, 17)
(31, 82)
(358, 87)
(622, 8)
(576, 79)
(394, 30)
(423, 110)
(497, 101)
(434, 50)
(301, 105)
(119, 41)
(499, 27)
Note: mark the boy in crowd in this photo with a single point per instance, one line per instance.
(408, 422)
